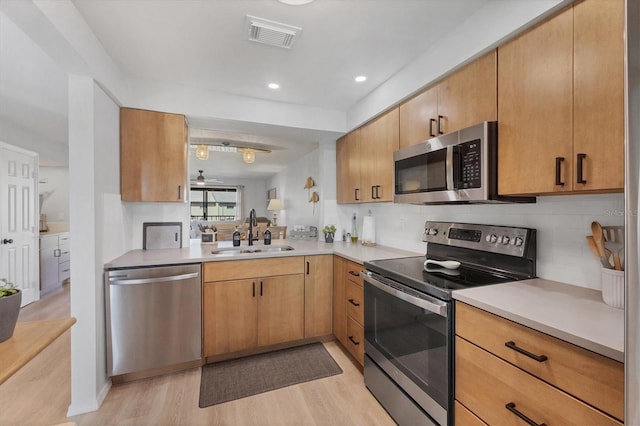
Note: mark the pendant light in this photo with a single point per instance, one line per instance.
(248, 155)
(202, 152)
(200, 179)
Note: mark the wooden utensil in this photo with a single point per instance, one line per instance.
(598, 239)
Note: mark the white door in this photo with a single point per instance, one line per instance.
(19, 220)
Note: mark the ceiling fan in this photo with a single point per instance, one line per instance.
(202, 181)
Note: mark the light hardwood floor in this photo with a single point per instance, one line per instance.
(39, 394)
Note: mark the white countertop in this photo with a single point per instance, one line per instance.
(571, 313)
(197, 252)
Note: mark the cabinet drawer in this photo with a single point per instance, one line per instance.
(355, 340)
(355, 302)
(64, 270)
(485, 384)
(593, 378)
(250, 268)
(65, 254)
(464, 417)
(353, 273)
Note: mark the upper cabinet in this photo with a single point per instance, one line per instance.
(378, 141)
(560, 99)
(466, 97)
(364, 161)
(348, 168)
(153, 156)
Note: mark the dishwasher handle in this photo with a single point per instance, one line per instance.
(154, 280)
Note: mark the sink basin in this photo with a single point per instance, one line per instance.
(245, 250)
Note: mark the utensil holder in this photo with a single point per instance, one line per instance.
(612, 287)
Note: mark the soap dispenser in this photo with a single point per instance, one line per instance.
(267, 237)
(236, 238)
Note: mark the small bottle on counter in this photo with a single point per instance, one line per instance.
(236, 237)
(267, 237)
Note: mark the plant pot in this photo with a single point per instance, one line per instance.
(328, 238)
(9, 310)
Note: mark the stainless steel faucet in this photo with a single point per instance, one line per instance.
(252, 222)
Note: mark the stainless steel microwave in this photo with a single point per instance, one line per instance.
(459, 167)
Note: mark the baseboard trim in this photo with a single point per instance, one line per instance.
(88, 408)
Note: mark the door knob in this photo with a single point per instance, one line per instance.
(7, 241)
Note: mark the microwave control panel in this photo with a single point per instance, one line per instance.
(469, 165)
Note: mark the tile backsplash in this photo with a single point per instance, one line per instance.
(562, 223)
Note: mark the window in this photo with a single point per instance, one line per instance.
(216, 204)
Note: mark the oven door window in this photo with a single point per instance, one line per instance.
(422, 173)
(413, 339)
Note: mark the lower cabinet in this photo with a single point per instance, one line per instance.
(506, 372)
(55, 266)
(255, 303)
(348, 306)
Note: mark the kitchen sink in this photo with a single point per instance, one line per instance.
(245, 250)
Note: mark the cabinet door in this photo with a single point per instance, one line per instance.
(469, 96)
(49, 279)
(153, 156)
(318, 284)
(348, 167)
(415, 115)
(535, 109)
(379, 139)
(280, 309)
(230, 316)
(339, 299)
(598, 82)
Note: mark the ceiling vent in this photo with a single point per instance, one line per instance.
(272, 33)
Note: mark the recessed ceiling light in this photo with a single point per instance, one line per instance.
(295, 2)
(274, 86)
(361, 78)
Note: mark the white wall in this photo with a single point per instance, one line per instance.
(562, 223)
(54, 193)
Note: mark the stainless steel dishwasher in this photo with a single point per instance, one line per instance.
(153, 317)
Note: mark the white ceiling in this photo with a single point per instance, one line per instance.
(202, 44)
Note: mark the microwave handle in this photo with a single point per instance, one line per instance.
(450, 167)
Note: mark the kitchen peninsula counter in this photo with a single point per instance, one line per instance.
(197, 253)
(574, 314)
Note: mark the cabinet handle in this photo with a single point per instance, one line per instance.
(559, 161)
(377, 192)
(254, 289)
(353, 341)
(307, 268)
(179, 192)
(56, 252)
(581, 158)
(260, 288)
(353, 302)
(373, 192)
(354, 273)
(431, 121)
(512, 407)
(440, 132)
(357, 192)
(539, 358)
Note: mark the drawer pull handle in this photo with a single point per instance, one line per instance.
(539, 358)
(353, 302)
(353, 341)
(512, 407)
(354, 273)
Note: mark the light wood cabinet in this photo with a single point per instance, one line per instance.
(318, 293)
(466, 97)
(378, 140)
(153, 156)
(348, 306)
(549, 380)
(348, 168)
(560, 100)
(241, 312)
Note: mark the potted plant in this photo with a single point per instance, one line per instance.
(10, 299)
(329, 232)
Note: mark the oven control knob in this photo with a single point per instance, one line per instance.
(492, 238)
(433, 231)
(518, 241)
(505, 240)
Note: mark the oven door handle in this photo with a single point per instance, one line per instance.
(432, 305)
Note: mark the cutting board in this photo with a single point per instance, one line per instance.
(161, 235)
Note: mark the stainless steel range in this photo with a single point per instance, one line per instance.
(409, 318)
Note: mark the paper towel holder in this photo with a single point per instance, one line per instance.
(368, 231)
